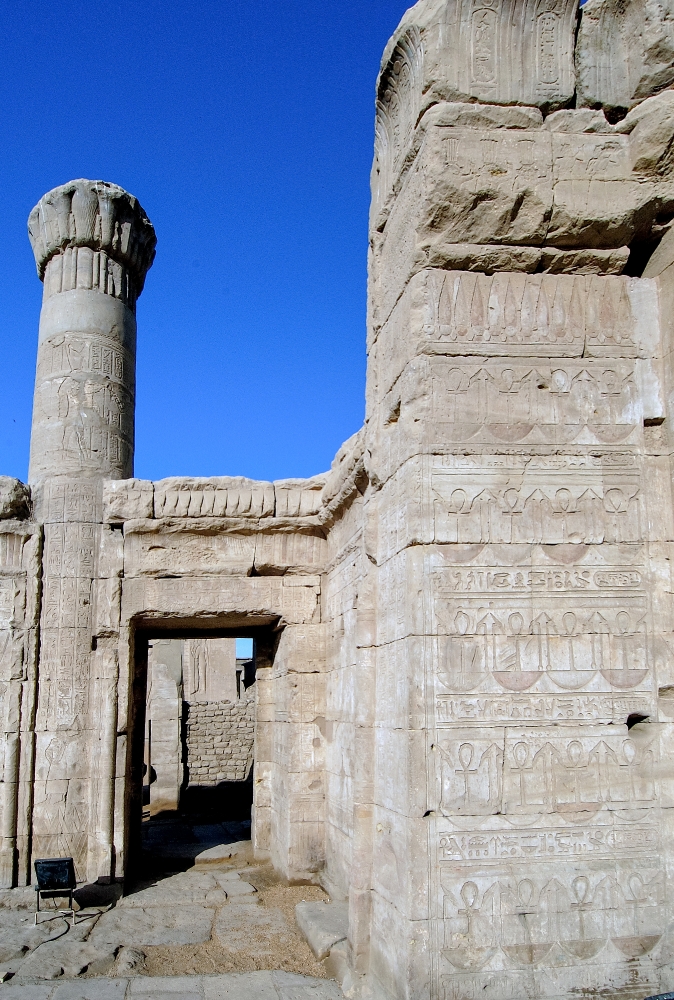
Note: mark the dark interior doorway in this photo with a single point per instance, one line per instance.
(191, 747)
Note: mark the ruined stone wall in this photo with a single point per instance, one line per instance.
(219, 740)
(463, 714)
(519, 517)
(234, 553)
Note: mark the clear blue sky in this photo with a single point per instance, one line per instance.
(246, 131)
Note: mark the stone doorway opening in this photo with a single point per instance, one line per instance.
(192, 746)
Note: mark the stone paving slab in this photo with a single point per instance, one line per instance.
(234, 986)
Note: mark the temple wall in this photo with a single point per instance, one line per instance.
(340, 602)
(190, 547)
(219, 740)
(464, 704)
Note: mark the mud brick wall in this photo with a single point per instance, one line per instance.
(219, 738)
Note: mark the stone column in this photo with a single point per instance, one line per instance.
(93, 245)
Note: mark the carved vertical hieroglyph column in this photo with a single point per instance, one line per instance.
(93, 245)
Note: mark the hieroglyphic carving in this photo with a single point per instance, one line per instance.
(533, 707)
(537, 404)
(72, 500)
(518, 314)
(529, 772)
(565, 842)
(583, 624)
(493, 51)
(526, 917)
(161, 553)
(85, 419)
(553, 500)
(278, 552)
(398, 104)
(62, 356)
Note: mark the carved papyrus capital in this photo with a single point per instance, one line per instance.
(101, 217)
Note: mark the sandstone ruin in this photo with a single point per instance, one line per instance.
(465, 658)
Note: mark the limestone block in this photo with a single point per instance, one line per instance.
(67, 956)
(624, 52)
(454, 313)
(338, 804)
(618, 516)
(400, 858)
(323, 925)
(14, 498)
(301, 649)
(442, 52)
(650, 127)
(153, 925)
(555, 261)
(400, 691)
(506, 172)
(398, 950)
(662, 258)
(400, 757)
(601, 198)
(587, 192)
(107, 606)
(578, 120)
(299, 748)
(192, 888)
(342, 482)
(152, 549)
(20, 936)
(298, 497)
(279, 553)
(126, 500)
(299, 697)
(223, 496)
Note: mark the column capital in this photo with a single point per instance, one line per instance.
(100, 216)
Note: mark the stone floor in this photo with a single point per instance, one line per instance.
(222, 927)
(242, 986)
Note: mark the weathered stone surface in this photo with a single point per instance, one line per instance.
(625, 52)
(14, 498)
(139, 926)
(239, 922)
(19, 936)
(234, 986)
(323, 925)
(220, 497)
(67, 957)
(190, 888)
(127, 500)
(463, 681)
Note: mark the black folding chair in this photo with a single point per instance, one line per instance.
(55, 878)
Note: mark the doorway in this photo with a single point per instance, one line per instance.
(192, 744)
